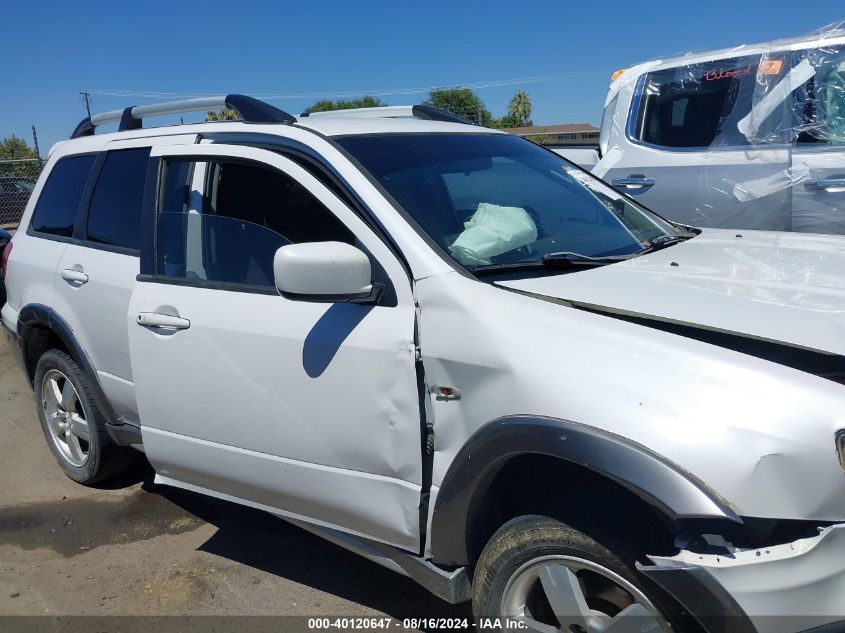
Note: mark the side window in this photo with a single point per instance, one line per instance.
(248, 212)
(114, 217)
(697, 105)
(55, 211)
(824, 97)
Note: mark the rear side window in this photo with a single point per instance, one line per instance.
(697, 105)
(55, 211)
(114, 217)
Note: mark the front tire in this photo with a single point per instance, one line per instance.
(72, 423)
(551, 577)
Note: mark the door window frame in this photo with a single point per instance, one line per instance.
(370, 241)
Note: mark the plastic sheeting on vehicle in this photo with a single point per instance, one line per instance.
(760, 131)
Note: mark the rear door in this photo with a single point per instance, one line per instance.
(97, 270)
(305, 409)
(683, 156)
(819, 201)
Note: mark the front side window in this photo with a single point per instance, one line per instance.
(55, 211)
(496, 199)
(114, 217)
(229, 232)
(698, 105)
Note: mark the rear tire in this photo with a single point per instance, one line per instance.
(73, 425)
(553, 577)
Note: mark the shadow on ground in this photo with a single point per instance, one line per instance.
(244, 535)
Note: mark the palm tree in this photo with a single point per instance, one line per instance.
(223, 115)
(520, 107)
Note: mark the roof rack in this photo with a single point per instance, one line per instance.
(428, 113)
(249, 109)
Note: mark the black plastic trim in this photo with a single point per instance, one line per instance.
(204, 283)
(372, 297)
(83, 128)
(253, 110)
(124, 434)
(149, 208)
(37, 314)
(128, 122)
(660, 483)
(702, 596)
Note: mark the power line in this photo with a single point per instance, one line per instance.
(348, 93)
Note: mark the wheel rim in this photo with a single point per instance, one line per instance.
(575, 595)
(65, 417)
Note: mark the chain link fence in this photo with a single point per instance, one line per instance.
(17, 180)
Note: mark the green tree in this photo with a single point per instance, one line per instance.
(226, 114)
(324, 105)
(15, 148)
(519, 109)
(461, 101)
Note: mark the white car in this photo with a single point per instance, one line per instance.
(451, 351)
(750, 137)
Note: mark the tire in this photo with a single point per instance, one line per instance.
(73, 425)
(535, 567)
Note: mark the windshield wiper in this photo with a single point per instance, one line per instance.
(550, 261)
(664, 241)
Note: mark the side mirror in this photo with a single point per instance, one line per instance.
(325, 272)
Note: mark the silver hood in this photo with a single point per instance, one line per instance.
(784, 287)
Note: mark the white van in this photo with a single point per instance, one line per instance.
(751, 137)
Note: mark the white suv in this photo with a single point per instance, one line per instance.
(749, 137)
(451, 351)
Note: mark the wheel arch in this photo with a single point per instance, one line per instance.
(41, 328)
(655, 481)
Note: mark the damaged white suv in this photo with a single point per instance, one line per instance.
(453, 352)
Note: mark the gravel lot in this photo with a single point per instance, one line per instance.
(133, 548)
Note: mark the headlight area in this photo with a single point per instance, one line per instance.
(840, 447)
(783, 587)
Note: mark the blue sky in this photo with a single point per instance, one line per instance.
(56, 49)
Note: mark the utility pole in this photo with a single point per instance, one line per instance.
(86, 97)
(35, 143)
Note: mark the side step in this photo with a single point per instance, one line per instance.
(451, 586)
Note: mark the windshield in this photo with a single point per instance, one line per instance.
(491, 199)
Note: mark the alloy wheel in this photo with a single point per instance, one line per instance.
(65, 417)
(575, 595)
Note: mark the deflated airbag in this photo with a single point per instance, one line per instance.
(493, 230)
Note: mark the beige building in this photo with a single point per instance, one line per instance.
(566, 134)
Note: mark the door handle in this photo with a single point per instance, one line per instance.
(163, 321)
(74, 276)
(633, 182)
(831, 185)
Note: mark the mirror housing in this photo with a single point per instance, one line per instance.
(324, 272)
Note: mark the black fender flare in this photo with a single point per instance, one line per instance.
(657, 481)
(37, 314)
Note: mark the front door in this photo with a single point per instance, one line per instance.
(306, 409)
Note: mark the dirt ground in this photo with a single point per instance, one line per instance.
(131, 548)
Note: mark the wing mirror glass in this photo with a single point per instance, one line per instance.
(325, 272)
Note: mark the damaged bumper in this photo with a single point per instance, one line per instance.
(786, 588)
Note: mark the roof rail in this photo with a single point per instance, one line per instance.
(429, 113)
(249, 109)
